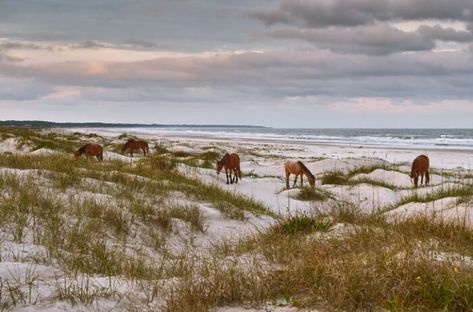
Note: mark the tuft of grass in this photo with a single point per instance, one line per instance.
(313, 194)
(230, 210)
(181, 154)
(189, 213)
(381, 266)
(300, 224)
(160, 149)
(464, 193)
(334, 177)
(82, 292)
(338, 177)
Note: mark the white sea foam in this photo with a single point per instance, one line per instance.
(408, 138)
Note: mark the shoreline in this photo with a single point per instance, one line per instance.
(356, 145)
(276, 141)
(441, 158)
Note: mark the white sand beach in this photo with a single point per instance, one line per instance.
(382, 187)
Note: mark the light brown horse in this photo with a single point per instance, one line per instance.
(299, 169)
(420, 167)
(90, 150)
(132, 145)
(231, 163)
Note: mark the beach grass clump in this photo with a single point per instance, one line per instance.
(390, 265)
(229, 210)
(216, 195)
(160, 149)
(83, 291)
(188, 213)
(370, 168)
(300, 224)
(339, 177)
(334, 177)
(463, 192)
(312, 194)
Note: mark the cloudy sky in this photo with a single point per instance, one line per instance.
(281, 63)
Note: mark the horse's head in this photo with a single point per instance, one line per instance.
(219, 166)
(77, 153)
(312, 182)
(414, 178)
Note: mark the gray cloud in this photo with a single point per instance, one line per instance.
(271, 74)
(313, 54)
(445, 34)
(317, 13)
(363, 26)
(373, 39)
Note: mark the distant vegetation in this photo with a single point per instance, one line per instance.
(50, 124)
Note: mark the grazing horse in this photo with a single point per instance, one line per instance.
(420, 167)
(132, 145)
(231, 163)
(90, 150)
(299, 169)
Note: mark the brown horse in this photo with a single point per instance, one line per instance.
(420, 167)
(299, 169)
(133, 145)
(90, 150)
(231, 163)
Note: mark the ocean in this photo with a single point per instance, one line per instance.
(407, 138)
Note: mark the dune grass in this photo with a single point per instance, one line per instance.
(114, 220)
(462, 192)
(338, 177)
(395, 266)
(313, 194)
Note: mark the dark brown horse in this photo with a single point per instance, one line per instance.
(90, 150)
(420, 167)
(231, 163)
(299, 169)
(133, 145)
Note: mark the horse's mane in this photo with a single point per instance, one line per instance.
(82, 149)
(306, 170)
(224, 157)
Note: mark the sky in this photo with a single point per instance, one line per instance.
(278, 63)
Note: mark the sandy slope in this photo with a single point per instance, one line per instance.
(265, 184)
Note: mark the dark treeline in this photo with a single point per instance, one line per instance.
(51, 124)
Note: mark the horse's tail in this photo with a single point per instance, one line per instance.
(306, 170)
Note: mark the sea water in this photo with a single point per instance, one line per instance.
(409, 138)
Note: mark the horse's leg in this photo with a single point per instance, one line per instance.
(302, 178)
(235, 175)
(421, 178)
(226, 174)
(287, 179)
(231, 178)
(416, 180)
(427, 177)
(295, 181)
